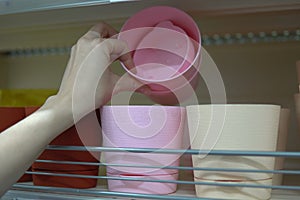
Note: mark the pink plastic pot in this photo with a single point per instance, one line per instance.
(8, 117)
(156, 127)
(165, 45)
(143, 186)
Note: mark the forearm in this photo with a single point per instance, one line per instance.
(22, 143)
(86, 85)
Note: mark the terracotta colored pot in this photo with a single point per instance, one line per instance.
(85, 133)
(71, 137)
(63, 181)
(8, 117)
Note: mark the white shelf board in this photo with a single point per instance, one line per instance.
(29, 13)
(20, 6)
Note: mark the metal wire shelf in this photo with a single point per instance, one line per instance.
(20, 189)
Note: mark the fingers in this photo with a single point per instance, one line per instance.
(127, 60)
(91, 35)
(104, 30)
(100, 30)
(119, 50)
(113, 48)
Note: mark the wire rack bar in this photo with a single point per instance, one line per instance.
(105, 193)
(223, 184)
(99, 192)
(179, 151)
(296, 172)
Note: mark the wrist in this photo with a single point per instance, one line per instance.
(60, 108)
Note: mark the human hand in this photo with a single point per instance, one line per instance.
(88, 81)
(87, 84)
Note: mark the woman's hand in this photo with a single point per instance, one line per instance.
(88, 81)
(87, 84)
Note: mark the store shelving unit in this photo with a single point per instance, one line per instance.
(33, 29)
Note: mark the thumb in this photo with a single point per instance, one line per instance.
(128, 83)
(118, 49)
(113, 48)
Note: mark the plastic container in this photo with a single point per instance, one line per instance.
(58, 180)
(244, 127)
(142, 127)
(70, 137)
(143, 186)
(165, 44)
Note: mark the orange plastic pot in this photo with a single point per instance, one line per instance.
(91, 136)
(54, 180)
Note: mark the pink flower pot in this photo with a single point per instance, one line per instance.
(156, 127)
(165, 44)
(8, 117)
(143, 186)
